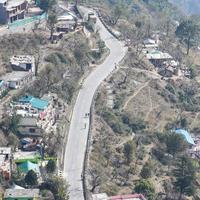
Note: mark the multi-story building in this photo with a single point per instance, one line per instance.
(12, 10)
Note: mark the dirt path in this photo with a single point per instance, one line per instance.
(135, 94)
(195, 119)
(151, 105)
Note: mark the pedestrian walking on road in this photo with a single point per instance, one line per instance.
(85, 126)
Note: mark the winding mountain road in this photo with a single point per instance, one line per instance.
(79, 127)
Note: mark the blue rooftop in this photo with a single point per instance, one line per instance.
(186, 135)
(37, 103)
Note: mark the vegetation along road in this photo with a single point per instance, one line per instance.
(79, 127)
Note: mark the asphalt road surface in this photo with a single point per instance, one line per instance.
(79, 127)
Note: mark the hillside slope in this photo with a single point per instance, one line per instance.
(188, 6)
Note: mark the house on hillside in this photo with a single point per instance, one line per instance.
(44, 110)
(19, 194)
(12, 10)
(92, 18)
(23, 63)
(65, 23)
(157, 58)
(32, 105)
(65, 26)
(5, 162)
(28, 127)
(17, 79)
(150, 44)
(33, 10)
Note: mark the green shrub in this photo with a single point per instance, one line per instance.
(146, 188)
(147, 170)
(114, 121)
(134, 124)
(52, 58)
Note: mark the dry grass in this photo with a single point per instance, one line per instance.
(148, 101)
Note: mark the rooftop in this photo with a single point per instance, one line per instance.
(3, 1)
(15, 76)
(28, 121)
(21, 193)
(186, 135)
(14, 3)
(5, 150)
(66, 18)
(149, 41)
(37, 103)
(19, 59)
(28, 155)
(157, 55)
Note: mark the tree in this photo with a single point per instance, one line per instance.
(57, 186)
(46, 5)
(18, 178)
(51, 166)
(31, 178)
(51, 22)
(175, 144)
(116, 14)
(185, 173)
(129, 151)
(13, 140)
(183, 122)
(146, 171)
(188, 32)
(146, 188)
(101, 45)
(37, 61)
(95, 179)
(11, 123)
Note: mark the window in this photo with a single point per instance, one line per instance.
(28, 66)
(32, 130)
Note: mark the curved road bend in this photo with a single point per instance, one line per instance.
(79, 127)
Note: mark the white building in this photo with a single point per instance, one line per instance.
(150, 44)
(17, 79)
